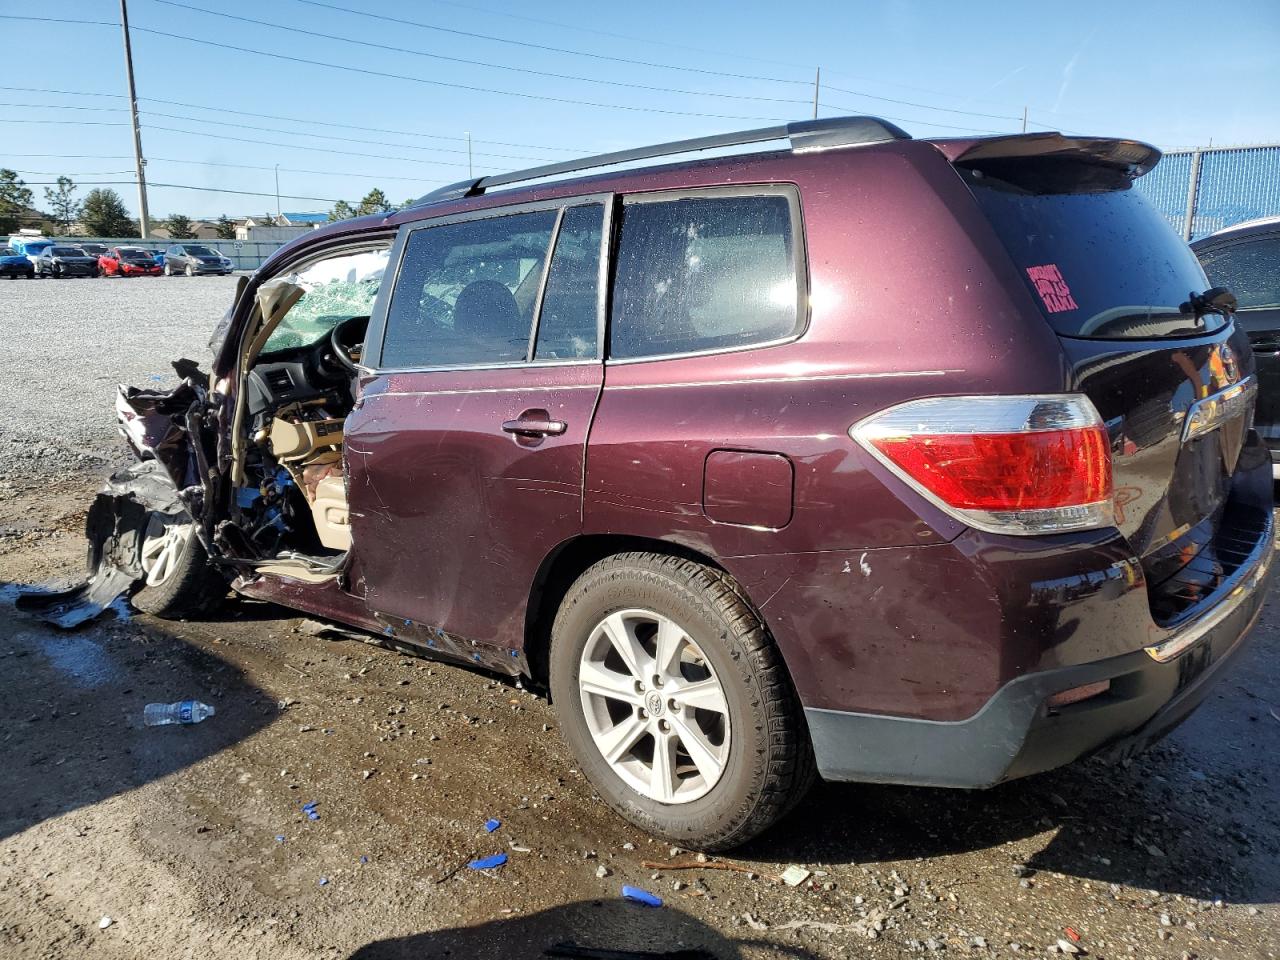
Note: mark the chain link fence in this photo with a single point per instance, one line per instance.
(1203, 190)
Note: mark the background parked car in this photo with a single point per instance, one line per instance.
(158, 255)
(16, 265)
(193, 258)
(1246, 260)
(30, 247)
(128, 262)
(66, 261)
(93, 249)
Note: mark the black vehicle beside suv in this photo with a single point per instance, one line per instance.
(1246, 260)
(66, 261)
(193, 258)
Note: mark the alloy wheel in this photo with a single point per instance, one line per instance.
(654, 706)
(163, 547)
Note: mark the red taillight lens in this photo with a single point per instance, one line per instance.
(1007, 464)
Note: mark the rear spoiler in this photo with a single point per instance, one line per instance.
(1133, 157)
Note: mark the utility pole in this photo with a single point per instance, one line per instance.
(277, 191)
(1024, 119)
(817, 83)
(470, 174)
(144, 219)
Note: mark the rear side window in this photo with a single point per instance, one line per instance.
(467, 291)
(1101, 263)
(708, 273)
(1250, 270)
(567, 325)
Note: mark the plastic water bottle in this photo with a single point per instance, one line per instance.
(184, 711)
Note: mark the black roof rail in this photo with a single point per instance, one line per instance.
(803, 134)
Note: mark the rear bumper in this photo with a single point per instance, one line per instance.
(1014, 734)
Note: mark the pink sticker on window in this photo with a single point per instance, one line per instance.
(1052, 288)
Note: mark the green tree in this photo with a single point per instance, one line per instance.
(179, 227)
(341, 211)
(63, 204)
(375, 201)
(15, 199)
(226, 228)
(408, 203)
(104, 215)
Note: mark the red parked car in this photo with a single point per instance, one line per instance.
(128, 262)
(908, 461)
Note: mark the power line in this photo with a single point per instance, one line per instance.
(301, 146)
(271, 116)
(184, 186)
(924, 106)
(923, 123)
(444, 83)
(398, 76)
(329, 136)
(474, 63)
(321, 173)
(540, 46)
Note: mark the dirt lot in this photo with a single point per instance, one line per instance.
(193, 842)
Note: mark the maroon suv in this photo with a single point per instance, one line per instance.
(923, 462)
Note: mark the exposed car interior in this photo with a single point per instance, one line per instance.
(297, 372)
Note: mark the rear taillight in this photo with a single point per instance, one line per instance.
(1020, 464)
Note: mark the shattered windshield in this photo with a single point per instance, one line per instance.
(335, 290)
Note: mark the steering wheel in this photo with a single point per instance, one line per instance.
(346, 341)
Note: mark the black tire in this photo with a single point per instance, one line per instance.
(770, 760)
(193, 590)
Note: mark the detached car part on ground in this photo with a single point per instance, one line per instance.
(942, 481)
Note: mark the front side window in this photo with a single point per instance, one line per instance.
(1250, 270)
(705, 273)
(467, 292)
(335, 290)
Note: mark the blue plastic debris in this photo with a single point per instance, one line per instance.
(488, 863)
(324, 881)
(279, 838)
(492, 824)
(310, 810)
(364, 859)
(636, 895)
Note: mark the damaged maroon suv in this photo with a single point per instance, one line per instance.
(880, 459)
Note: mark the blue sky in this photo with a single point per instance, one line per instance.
(1175, 73)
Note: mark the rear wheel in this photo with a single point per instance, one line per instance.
(190, 271)
(676, 702)
(178, 581)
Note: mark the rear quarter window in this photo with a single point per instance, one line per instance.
(1250, 269)
(702, 273)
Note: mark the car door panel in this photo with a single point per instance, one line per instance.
(462, 480)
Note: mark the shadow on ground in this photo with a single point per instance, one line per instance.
(1169, 822)
(71, 705)
(601, 924)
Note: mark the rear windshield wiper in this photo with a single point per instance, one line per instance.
(1214, 300)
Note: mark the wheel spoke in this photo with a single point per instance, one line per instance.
(595, 678)
(625, 643)
(662, 779)
(667, 649)
(616, 742)
(703, 695)
(705, 756)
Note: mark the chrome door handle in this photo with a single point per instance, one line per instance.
(535, 428)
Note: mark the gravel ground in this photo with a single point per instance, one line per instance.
(69, 342)
(192, 841)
